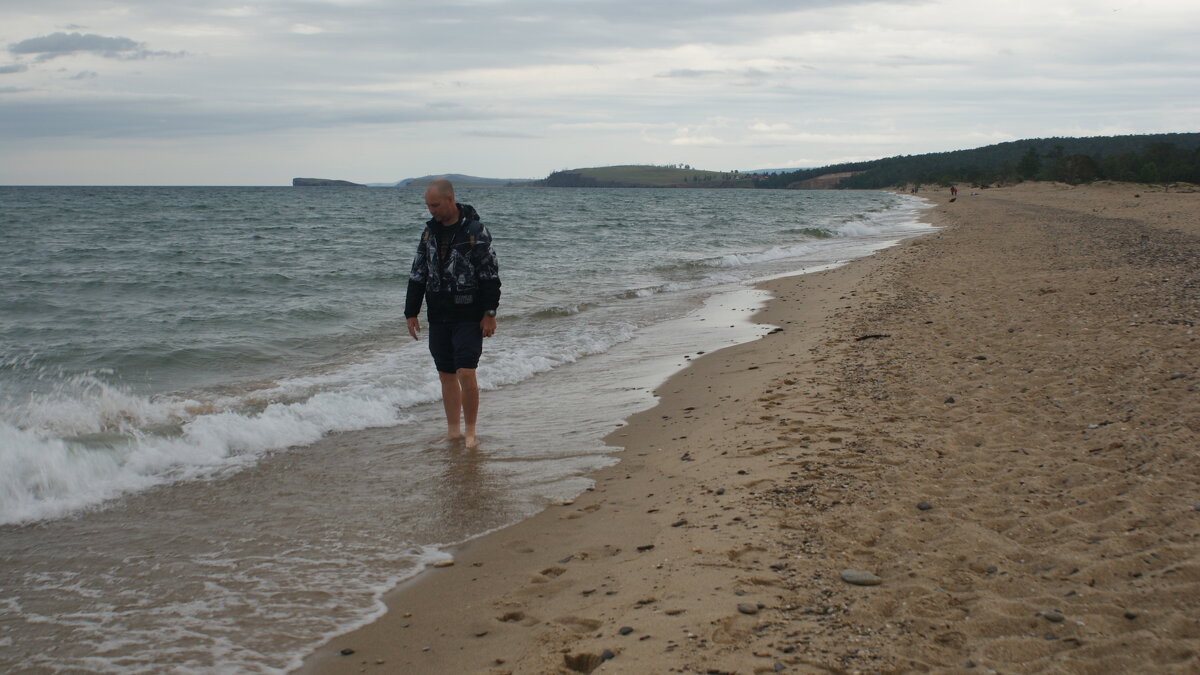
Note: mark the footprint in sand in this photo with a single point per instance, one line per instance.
(578, 624)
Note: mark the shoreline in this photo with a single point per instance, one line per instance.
(768, 467)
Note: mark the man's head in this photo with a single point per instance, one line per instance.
(439, 199)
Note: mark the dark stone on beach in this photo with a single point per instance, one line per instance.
(860, 578)
(625, 630)
(645, 547)
(992, 570)
(481, 633)
(607, 655)
(981, 358)
(747, 608)
(346, 652)
(1053, 616)
(1131, 616)
(778, 667)
(720, 491)
(924, 506)
(679, 523)
(949, 399)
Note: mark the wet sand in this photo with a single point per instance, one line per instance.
(999, 422)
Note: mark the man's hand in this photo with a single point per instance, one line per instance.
(488, 326)
(414, 327)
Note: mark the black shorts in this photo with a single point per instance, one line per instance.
(455, 345)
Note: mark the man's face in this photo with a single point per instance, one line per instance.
(441, 207)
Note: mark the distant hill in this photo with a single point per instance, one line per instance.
(323, 182)
(458, 179)
(1143, 158)
(645, 175)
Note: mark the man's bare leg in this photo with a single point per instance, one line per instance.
(452, 403)
(469, 389)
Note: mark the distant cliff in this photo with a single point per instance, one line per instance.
(323, 182)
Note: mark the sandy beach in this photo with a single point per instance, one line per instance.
(994, 426)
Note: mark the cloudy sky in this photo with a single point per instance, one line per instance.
(230, 92)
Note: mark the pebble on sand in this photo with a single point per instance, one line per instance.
(1053, 616)
(444, 563)
(747, 608)
(860, 578)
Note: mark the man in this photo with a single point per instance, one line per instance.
(455, 271)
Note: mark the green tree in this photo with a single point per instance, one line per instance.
(1030, 165)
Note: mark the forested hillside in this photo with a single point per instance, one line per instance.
(1151, 158)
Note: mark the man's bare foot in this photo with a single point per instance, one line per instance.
(452, 436)
(472, 442)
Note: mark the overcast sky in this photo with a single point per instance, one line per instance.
(225, 92)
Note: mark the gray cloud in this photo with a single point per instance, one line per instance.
(182, 116)
(63, 44)
(687, 73)
(13, 68)
(499, 134)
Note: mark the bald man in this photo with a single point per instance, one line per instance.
(456, 273)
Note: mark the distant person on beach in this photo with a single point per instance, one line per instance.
(953, 190)
(456, 273)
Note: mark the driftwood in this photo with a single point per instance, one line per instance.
(872, 335)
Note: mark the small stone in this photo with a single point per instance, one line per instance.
(924, 506)
(444, 563)
(380, 662)
(860, 578)
(981, 358)
(747, 608)
(679, 523)
(481, 633)
(949, 399)
(625, 630)
(992, 570)
(645, 547)
(1053, 616)
(346, 652)
(778, 667)
(607, 655)
(720, 491)
(1131, 616)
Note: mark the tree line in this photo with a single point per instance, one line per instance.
(1146, 158)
